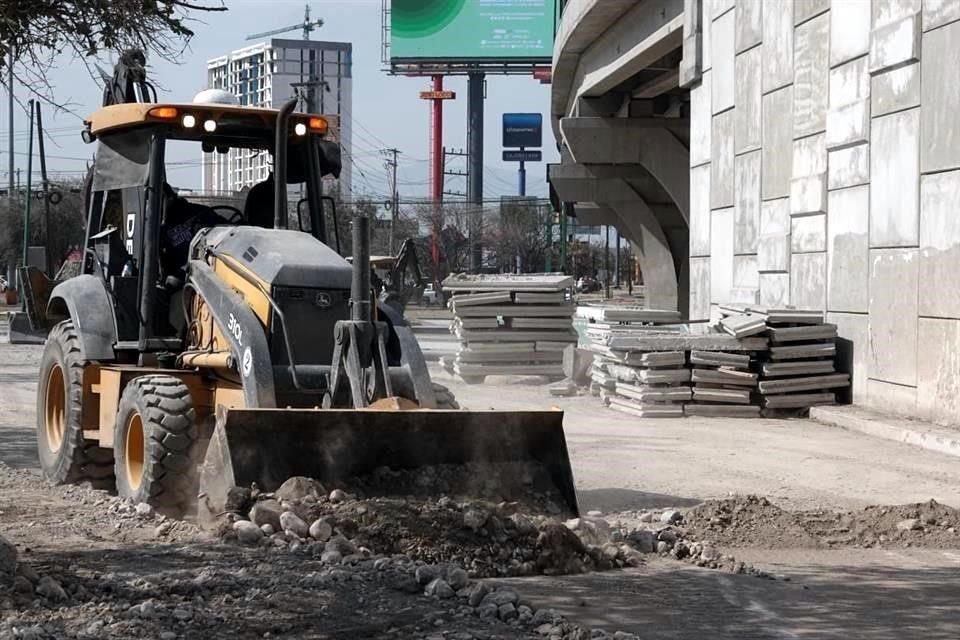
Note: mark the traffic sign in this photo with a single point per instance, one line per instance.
(522, 155)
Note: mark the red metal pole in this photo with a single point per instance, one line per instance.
(436, 178)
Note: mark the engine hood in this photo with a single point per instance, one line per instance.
(279, 257)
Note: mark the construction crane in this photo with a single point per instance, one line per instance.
(307, 27)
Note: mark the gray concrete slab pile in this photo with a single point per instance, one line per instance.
(510, 325)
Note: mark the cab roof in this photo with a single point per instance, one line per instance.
(128, 115)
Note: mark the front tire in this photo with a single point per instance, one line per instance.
(155, 444)
(65, 457)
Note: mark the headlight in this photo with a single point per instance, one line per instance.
(300, 129)
(209, 126)
(189, 122)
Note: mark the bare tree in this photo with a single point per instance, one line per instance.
(36, 31)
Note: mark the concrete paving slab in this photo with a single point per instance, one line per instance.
(808, 233)
(774, 288)
(748, 121)
(699, 289)
(802, 352)
(811, 72)
(701, 121)
(801, 367)
(940, 245)
(895, 43)
(721, 254)
(731, 396)
(824, 331)
(808, 280)
(895, 90)
(850, 24)
(941, 99)
(921, 434)
(748, 22)
(777, 138)
(724, 79)
(747, 200)
(847, 249)
(798, 400)
(895, 180)
(937, 13)
(721, 410)
(721, 164)
(893, 315)
(805, 383)
(848, 167)
(849, 82)
(777, 47)
(938, 376)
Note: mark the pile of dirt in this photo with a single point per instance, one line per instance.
(748, 521)
(752, 521)
(487, 539)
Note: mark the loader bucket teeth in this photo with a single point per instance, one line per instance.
(521, 455)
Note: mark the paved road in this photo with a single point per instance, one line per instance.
(622, 462)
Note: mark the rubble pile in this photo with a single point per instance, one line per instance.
(510, 325)
(486, 539)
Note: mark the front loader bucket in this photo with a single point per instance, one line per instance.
(502, 455)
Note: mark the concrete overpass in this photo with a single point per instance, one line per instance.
(623, 124)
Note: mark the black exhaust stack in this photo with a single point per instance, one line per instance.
(280, 165)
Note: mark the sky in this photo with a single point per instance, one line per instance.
(387, 111)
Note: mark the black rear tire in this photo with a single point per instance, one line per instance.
(155, 444)
(65, 456)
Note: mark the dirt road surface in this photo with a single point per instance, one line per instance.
(112, 563)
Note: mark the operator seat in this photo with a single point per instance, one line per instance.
(258, 208)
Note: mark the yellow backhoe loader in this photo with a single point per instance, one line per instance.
(206, 347)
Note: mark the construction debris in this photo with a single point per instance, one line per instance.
(510, 325)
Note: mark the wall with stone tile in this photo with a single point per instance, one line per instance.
(825, 173)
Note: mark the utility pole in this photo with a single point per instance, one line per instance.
(26, 211)
(391, 165)
(10, 192)
(46, 193)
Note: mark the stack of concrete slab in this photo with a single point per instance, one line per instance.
(510, 325)
(723, 385)
(650, 384)
(797, 371)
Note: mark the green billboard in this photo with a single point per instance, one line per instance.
(482, 30)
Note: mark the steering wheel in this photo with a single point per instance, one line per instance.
(237, 215)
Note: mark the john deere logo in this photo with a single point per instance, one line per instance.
(324, 301)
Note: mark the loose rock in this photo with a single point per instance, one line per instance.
(51, 589)
(293, 524)
(298, 488)
(267, 512)
(248, 532)
(321, 530)
(440, 588)
(911, 524)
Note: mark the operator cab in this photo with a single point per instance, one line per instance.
(139, 219)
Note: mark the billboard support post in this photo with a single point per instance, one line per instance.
(436, 158)
(522, 172)
(475, 166)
